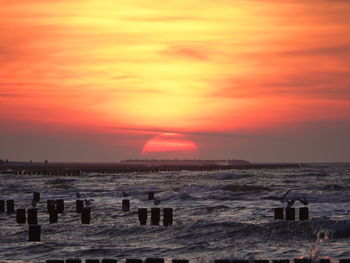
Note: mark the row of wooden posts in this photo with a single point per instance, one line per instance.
(59, 204)
(55, 207)
(78, 172)
(161, 260)
(289, 213)
(81, 170)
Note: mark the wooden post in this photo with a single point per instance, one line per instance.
(133, 260)
(150, 195)
(50, 205)
(304, 213)
(108, 260)
(222, 261)
(184, 261)
(86, 215)
(155, 215)
(73, 260)
(60, 206)
(167, 216)
(21, 216)
(126, 205)
(79, 206)
(278, 212)
(290, 214)
(280, 261)
(2, 206)
(53, 216)
(10, 206)
(34, 233)
(32, 216)
(36, 196)
(142, 213)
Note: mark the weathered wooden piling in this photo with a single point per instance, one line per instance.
(280, 261)
(79, 206)
(108, 260)
(304, 213)
(150, 195)
(142, 214)
(222, 261)
(167, 216)
(60, 206)
(86, 215)
(50, 205)
(20, 216)
(181, 261)
(32, 216)
(126, 205)
(290, 213)
(36, 196)
(278, 213)
(155, 215)
(240, 261)
(34, 233)
(10, 206)
(53, 216)
(2, 206)
(133, 260)
(73, 260)
(154, 260)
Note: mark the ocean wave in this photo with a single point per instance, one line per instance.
(335, 187)
(61, 183)
(245, 188)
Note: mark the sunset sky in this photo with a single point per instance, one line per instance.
(94, 80)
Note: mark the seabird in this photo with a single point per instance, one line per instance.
(157, 201)
(34, 203)
(290, 201)
(88, 202)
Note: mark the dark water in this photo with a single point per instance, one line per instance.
(217, 214)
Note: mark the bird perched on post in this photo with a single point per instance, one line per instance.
(88, 202)
(290, 201)
(34, 203)
(157, 201)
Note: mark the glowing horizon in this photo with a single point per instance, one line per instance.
(170, 145)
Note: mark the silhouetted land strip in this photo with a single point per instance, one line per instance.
(131, 166)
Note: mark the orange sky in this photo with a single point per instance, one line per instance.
(194, 66)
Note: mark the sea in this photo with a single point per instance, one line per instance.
(223, 214)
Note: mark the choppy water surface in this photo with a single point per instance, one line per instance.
(217, 214)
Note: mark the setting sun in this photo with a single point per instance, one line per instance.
(170, 146)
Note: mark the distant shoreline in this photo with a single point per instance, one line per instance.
(130, 166)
